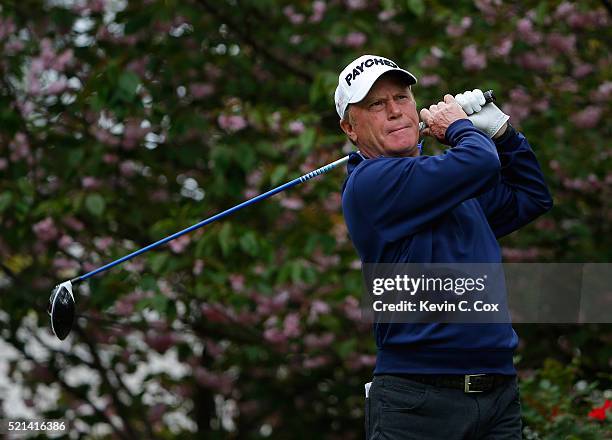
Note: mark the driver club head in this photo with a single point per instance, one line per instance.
(62, 309)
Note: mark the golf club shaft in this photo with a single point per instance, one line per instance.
(294, 182)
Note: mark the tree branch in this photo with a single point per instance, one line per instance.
(246, 39)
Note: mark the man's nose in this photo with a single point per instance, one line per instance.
(394, 110)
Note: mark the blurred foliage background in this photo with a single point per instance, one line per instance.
(123, 122)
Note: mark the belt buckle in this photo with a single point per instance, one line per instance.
(466, 381)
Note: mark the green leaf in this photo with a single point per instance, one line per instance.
(95, 204)
(128, 82)
(224, 238)
(5, 200)
(248, 243)
(158, 261)
(278, 173)
(416, 6)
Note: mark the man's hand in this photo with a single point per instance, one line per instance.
(486, 117)
(440, 116)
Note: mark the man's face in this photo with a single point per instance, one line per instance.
(386, 121)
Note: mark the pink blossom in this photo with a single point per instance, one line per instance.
(201, 90)
(47, 54)
(588, 117)
(322, 341)
(296, 39)
(564, 9)
(60, 62)
(215, 313)
(429, 80)
(65, 241)
(582, 20)
(516, 112)
(356, 4)
(488, 8)
(503, 47)
(355, 39)
(568, 85)
(541, 105)
(198, 267)
(156, 412)
(237, 282)
(109, 158)
(159, 195)
(333, 202)
(294, 203)
(294, 17)
(73, 223)
(457, 30)
(518, 255)
(232, 123)
(536, 61)
(20, 147)
(65, 264)
(315, 362)
(274, 336)
(560, 43)
(317, 308)
(13, 47)
(429, 61)
(103, 243)
(291, 325)
(221, 382)
(133, 132)
(518, 95)
(90, 182)
(254, 178)
(249, 193)
(351, 308)
(127, 168)
(135, 266)
(386, 15)
(179, 244)
(160, 342)
(296, 127)
(472, 59)
(582, 70)
(45, 230)
(3, 164)
(138, 66)
(318, 10)
(104, 136)
(603, 92)
(7, 28)
(527, 33)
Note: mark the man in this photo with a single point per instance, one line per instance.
(439, 380)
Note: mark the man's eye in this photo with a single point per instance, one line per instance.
(402, 97)
(376, 105)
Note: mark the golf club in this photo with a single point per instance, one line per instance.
(61, 302)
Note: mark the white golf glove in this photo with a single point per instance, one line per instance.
(486, 117)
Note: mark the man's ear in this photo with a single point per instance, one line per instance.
(347, 128)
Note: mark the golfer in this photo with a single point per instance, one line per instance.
(435, 381)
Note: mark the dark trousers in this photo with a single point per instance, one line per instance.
(400, 408)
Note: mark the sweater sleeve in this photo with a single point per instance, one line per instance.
(400, 195)
(520, 193)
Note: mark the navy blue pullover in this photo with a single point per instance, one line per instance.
(449, 208)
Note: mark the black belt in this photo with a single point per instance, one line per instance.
(469, 383)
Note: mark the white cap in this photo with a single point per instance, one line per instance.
(355, 81)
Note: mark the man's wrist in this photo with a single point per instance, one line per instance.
(501, 131)
(508, 133)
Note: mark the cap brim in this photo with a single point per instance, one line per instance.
(359, 95)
